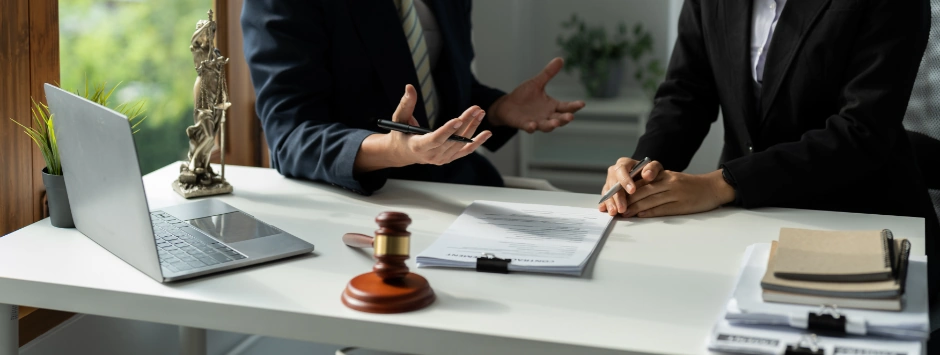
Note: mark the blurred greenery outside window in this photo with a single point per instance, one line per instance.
(144, 45)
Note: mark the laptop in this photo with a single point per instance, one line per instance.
(106, 194)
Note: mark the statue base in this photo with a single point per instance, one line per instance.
(369, 293)
(199, 190)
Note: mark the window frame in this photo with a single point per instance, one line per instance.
(243, 129)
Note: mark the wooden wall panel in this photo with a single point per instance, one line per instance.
(16, 161)
(265, 152)
(243, 130)
(43, 68)
(29, 57)
(40, 321)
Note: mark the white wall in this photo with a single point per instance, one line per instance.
(500, 34)
(514, 39)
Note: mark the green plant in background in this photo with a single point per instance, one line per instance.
(45, 137)
(597, 54)
(144, 45)
(650, 74)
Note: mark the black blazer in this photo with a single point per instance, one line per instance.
(828, 133)
(323, 71)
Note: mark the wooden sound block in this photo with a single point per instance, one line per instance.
(369, 293)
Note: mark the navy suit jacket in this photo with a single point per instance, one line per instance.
(324, 70)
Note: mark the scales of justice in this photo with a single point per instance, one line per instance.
(210, 97)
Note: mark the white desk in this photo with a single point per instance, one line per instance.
(656, 288)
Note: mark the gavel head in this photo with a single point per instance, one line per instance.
(391, 245)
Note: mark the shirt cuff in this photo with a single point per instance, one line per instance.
(728, 175)
(360, 183)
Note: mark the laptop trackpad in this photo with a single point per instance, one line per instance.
(233, 227)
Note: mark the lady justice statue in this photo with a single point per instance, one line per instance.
(210, 94)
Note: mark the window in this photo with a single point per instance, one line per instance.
(144, 46)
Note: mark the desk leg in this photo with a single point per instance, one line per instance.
(9, 330)
(192, 341)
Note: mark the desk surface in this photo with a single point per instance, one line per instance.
(656, 287)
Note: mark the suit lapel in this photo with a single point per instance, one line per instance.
(794, 23)
(737, 37)
(379, 28)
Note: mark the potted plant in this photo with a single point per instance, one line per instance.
(43, 134)
(601, 58)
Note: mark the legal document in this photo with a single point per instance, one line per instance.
(536, 238)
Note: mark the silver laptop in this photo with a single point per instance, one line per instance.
(106, 193)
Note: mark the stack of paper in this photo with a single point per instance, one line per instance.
(747, 306)
(537, 238)
(728, 337)
(750, 326)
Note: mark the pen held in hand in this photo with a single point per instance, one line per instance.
(405, 128)
(633, 174)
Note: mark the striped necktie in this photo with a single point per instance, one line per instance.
(419, 55)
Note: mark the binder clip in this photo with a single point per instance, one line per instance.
(827, 321)
(806, 346)
(490, 263)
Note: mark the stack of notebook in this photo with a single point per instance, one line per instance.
(851, 269)
(751, 325)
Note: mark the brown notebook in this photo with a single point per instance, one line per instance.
(886, 289)
(881, 304)
(845, 256)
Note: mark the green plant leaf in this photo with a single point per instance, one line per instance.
(44, 136)
(101, 95)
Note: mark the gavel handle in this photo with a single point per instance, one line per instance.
(357, 240)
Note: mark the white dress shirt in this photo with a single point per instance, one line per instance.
(764, 17)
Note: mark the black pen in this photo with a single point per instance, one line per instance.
(404, 128)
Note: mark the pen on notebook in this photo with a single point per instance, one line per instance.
(633, 174)
(405, 128)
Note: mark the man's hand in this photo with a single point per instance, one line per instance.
(529, 108)
(619, 173)
(397, 149)
(673, 193)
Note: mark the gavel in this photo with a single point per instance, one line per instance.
(357, 240)
(390, 287)
(391, 245)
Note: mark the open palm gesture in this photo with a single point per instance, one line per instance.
(529, 108)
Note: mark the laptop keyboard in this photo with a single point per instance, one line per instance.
(183, 248)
